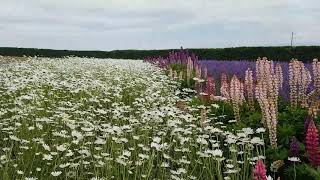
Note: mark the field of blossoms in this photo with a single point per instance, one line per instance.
(78, 118)
(282, 97)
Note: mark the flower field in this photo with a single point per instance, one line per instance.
(161, 118)
(79, 118)
(282, 97)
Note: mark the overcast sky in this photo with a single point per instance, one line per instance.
(157, 24)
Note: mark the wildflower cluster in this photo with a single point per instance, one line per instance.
(78, 118)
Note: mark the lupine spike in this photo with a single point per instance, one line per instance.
(249, 88)
(299, 80)
(259, 172)
(312, 144)
(306, 123)
(294, 147)
(210, 87)
(224, 86)
(267, 91)
(316, 75)
(236, 94)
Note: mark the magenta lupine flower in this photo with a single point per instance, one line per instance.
(306, 123)
(294, 147)
(259, 172)
(312, 144)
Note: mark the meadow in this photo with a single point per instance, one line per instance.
(158, 118)
(76, 118)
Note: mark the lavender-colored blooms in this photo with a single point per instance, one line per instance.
(230, 67)
(180, 57)
(174, 57)
(238, 68)
(294, 147)
(217, 67)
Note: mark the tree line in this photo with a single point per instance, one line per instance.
(280, 53)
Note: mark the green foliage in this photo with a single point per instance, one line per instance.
(314, 173)
(303, 172)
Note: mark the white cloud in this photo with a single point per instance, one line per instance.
(156, 23)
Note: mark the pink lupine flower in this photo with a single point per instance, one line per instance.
(306, 123)
(210, 87)
(312, 144)
(259, 172)
(236, 95)
(267, 91)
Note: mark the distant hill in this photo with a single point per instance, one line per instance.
(281, 53)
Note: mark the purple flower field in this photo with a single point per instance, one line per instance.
(230, 67)
(238, 68)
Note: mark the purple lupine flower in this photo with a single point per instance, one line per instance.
(294, 147)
